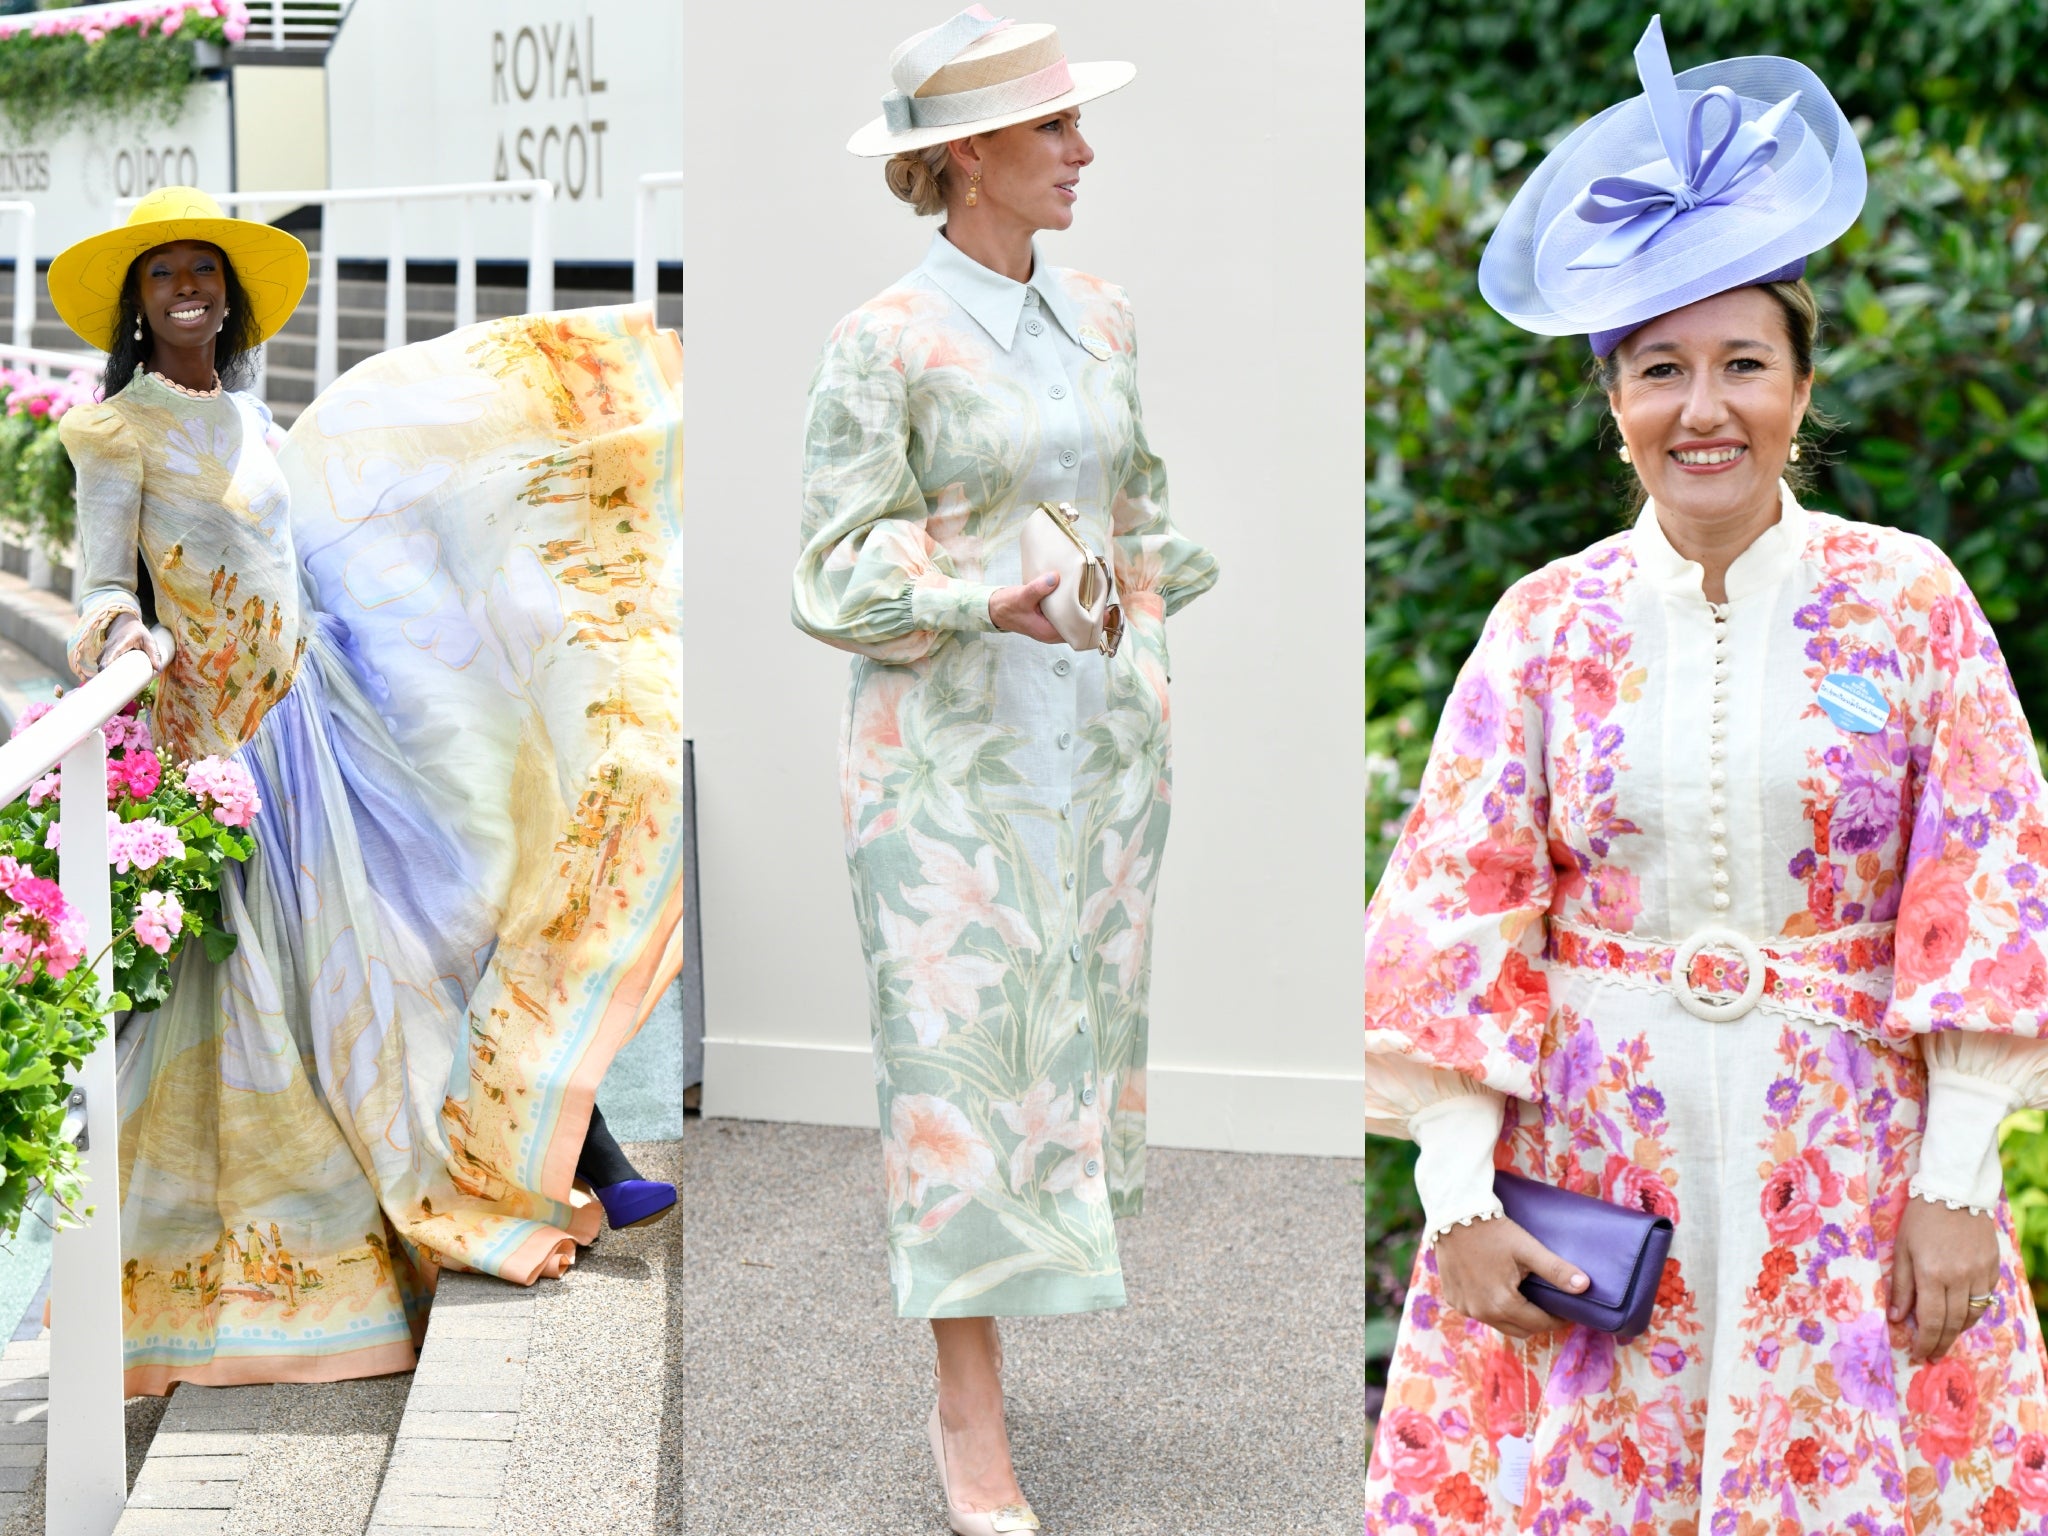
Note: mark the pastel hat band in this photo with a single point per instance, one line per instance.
(1604, 342)
(951, 75)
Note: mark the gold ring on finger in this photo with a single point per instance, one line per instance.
(1977, 1303)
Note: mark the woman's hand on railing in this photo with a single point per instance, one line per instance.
(1016, 609)
(127, 633)
(1480, 1269)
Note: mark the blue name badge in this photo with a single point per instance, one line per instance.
(1854, 703)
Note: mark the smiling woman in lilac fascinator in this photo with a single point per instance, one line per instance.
(1718, 905)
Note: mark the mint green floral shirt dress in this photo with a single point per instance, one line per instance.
(1005, 801)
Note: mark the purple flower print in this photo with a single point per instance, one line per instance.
(1589, 588)
(1852, 911)
(1862, 1358)
(2022, 877)
(1575, 1066)
(1666, 1358)
(1600, 780)
(1514, 779)
(1976, 829)
(1646, 1104)
(1848, 1063)
(1585, 1365)
(1812, 616)
(1475, 716)
(1605, 1458)
(1767, 1353)
(1783, 1095)
(1833, 1243)
(1424, 1313)
(2033, 914)
(1866, 811)
(1811, 1331)
(1802, 864)
(1834, 1466)
(2004, 804)
(1606, 740)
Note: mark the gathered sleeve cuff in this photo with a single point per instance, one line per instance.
(1454, 1123)
(870, 577)
(1973, 1082)
(1159, 569)
(108, 462)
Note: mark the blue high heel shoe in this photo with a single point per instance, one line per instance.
(635, 1203)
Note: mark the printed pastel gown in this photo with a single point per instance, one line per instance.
(1621, 766)
(439, 625)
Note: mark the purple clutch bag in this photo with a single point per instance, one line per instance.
(1621, 1251)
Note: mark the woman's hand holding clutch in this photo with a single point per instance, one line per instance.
(1016, 609)
(1480, 1270)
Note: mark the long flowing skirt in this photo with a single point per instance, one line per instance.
(1769, 1396)
(466, 892)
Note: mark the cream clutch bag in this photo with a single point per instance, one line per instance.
(1083, 607)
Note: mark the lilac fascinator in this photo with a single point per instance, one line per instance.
(1730, 174)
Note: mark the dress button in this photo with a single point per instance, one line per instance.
(1093, 1168)
(1720, 901)
(1717, 778)
(1720, 850)
(1035, 327)
(1069, 458)
(1720, 877)
(1070, 879)
(1715, 752)
(1058, 391)
(1717, 804)
(1719, 829)
(1062, 667)
(1065, 739)
(1074, 950)
(1087, 1095)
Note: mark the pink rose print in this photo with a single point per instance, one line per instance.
(1593, 690)
(2029, 1479)
(1624, 1183)
(1613, 893)
(1520, 990)
(1941, 633)
(1943, 1396)
(1795, 1195)
(1934, 916)
(1412, 1448)
(1842, 1299)
(2016, 978)
(1507, 1394)
(1503, 876)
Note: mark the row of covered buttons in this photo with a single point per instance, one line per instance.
(1717, 774)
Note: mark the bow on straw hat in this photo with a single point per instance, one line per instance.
(976, 73)
(1727, 175)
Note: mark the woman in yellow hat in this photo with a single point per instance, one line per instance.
(426, 645)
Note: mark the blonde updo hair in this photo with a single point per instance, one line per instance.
(917, 176)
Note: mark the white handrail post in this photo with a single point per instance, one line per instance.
(394, 280)
(644, 269)
(276, 24)
(465, 268)
(540, 259)
(25, 279)
(87, 1479)
(327, 323)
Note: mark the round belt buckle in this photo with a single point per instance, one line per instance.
(1681, 972)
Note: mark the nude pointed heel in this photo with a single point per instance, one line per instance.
(968, 1522)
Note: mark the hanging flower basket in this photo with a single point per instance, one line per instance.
(122, 61)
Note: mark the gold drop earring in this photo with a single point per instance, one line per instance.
(974, 189)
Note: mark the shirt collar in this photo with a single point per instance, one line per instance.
(1770, 555)
(995, 302)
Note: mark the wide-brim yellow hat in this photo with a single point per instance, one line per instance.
(86, 278)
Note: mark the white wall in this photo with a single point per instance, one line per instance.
(1225, 199)
(280, 128)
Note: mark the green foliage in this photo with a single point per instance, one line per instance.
(51, 83)
(47, 1029)
(1459, 74)
(1491, 453)
(2023, 1150)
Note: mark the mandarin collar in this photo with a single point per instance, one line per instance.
(994, 301)
(1758, 568)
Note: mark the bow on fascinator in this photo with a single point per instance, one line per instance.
(1692, 173)
(925, 56)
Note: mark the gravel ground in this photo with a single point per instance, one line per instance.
(587, 1456)
(1225, 1401)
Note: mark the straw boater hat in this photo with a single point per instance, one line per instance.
(1726, 176)
(975, 74)
(86, 278)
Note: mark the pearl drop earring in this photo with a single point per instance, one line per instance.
(1622, 454)
(138, 327)
(1795, 453)
(974, 189)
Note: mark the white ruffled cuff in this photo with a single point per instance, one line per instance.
(1959, 1146)
(1454, 1141)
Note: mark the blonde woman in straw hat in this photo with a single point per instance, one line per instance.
(388, 1053)
(1005, 793)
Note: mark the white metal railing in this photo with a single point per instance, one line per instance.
(646, 270)
(24, 270)
(540, 260)
(294, 23)
(87, 1460)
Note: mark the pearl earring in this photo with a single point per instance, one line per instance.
(1795, 453)
(974, 189)
(1622, 454)
(138, 327)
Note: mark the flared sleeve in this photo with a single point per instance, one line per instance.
(870, 578)
(1159, 569)
(1970, 976)
(109, 464)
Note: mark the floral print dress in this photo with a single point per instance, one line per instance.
(438, 627)
(1005, 802)
(1830, 776)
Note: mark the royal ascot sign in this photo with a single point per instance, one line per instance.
(581, 93)
(75, 178)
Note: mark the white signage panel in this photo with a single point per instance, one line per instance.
(74, 178)
(581, 93)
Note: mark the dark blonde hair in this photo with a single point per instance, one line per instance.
(918, 177)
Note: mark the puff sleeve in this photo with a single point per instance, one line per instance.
(1159, 569)
(870, 579)
(109, 464)
(1970, 976)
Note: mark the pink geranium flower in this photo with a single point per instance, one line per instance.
(32, 714)
(137, 771)
(41, 928)
(141, 844)
(229, 788)
(47, 787)
(158, 920)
